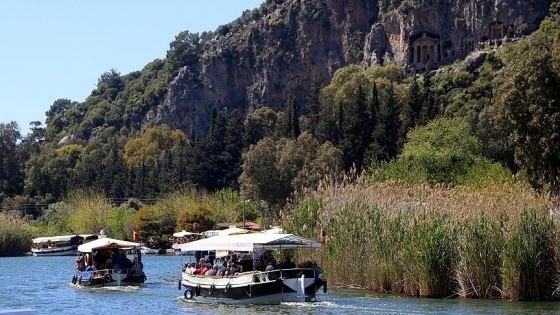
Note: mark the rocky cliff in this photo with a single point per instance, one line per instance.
(280, 49)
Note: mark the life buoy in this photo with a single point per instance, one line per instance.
(188, 294)
(108, 277)
(197, 290)
(228, 286)
(211, 290)
(249, 290)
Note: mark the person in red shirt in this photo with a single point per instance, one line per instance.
(202, 270)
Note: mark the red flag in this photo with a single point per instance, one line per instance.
(135, 236)
(323, 236)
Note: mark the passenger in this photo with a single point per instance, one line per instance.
(222, 270)
(258, 265)
(318, 270)
(288, 263)
(271, 265)
(120, 262)
(190, 269)
(202, 270)
(99, 259)
(232, 270)
(219, 262)
(213, 271)
(80, 263)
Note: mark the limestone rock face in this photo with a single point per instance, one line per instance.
(287, 46)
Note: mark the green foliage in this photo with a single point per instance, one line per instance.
(11, 175)
(482, 246)
(272, 170)
(120, 222)
(260, 124)
(15, 236)
(199, 215)
(153, 141)
(89, 211)
(184, 50)
(434, 242)
(441, 152)
(155, 220)
(530, 261)
(527, 107)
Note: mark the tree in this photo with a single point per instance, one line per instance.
(527, 106)
(156, 220)
(410, 113)
(443, 151)
(386, 133)
(261, 178)
(356, 127)
(11, 178)
(196, 219)
(185, 50)
(259, 125)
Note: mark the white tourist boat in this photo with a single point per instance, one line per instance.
(65, 245)
(106, 262)
(148, 251)
(182, 238)
(299, 284)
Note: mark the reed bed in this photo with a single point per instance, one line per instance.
(15, 236)
(490, 241)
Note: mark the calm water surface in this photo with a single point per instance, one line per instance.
(43, 284)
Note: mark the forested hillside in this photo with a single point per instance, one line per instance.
(246, 109)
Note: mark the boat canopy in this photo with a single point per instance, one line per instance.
(229, 231)
(107, 243)
(250, 242)
(62, 238)
(183, 233)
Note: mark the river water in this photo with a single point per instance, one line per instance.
(43, 284)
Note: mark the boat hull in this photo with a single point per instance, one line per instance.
(296, 285)
(59, 251)
(108, 278)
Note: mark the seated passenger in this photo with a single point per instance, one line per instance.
(120, 262)
(189, 268)
(222, 270)
(202, 270)
(212, 271)
(232, 270)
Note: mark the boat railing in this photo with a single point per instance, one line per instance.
(263, 276)
(99, 273)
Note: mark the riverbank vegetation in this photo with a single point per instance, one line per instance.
(494, 241)
(15, 236)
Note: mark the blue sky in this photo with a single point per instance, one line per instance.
(58, 49)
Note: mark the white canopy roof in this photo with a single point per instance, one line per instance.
(250, 242)
(106, 242)
(183, 233)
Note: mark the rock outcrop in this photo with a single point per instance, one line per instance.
(287, 46)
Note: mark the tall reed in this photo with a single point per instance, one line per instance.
(15, 236)
(484, 241)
